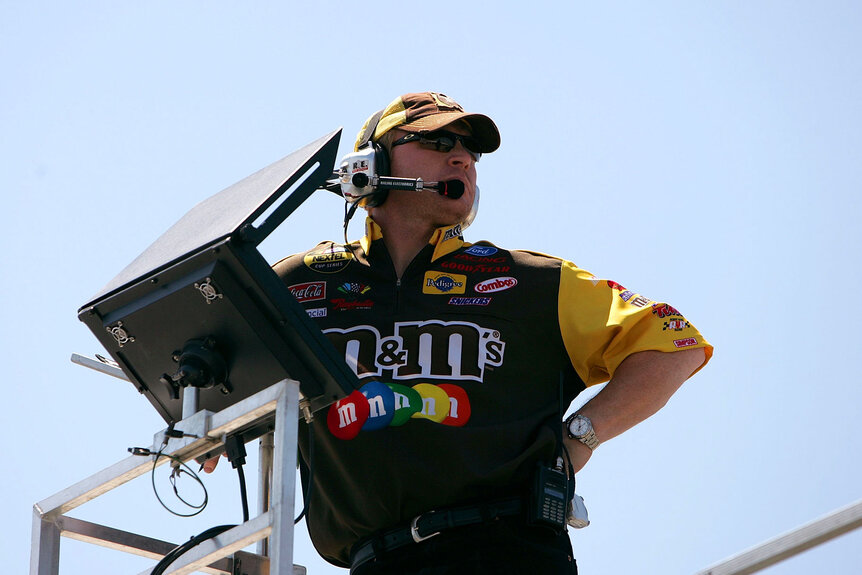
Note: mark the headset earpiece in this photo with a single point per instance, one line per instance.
(381, 160)
(370, 159)
(381, 168)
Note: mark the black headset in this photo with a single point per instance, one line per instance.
(381, 158)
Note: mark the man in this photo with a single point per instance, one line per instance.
(469, 355)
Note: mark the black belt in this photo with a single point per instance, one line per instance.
(430, 524)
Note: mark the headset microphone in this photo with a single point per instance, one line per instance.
(451, 189)
(359, 185)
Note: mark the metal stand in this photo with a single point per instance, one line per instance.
(223, 554)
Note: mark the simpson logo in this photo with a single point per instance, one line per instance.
(496, 284)
(443, 283)
(308, 291)
(483, 251)
(687, 342)
(328, 260)
(316, 312)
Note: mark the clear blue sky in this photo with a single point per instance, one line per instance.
(703, 153)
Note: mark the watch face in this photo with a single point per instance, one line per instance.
(579, 426)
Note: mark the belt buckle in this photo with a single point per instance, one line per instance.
(414, 531)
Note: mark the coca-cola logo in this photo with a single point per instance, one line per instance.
(308, 291)
(495, 284)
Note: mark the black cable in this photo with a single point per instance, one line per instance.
(242, 493)
(349, 210)
(235, 449)
(178, 471)
(179, 550)
(570, 484)
(307, 496)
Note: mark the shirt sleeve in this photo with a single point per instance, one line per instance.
(602, 323)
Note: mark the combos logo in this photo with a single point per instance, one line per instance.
(443, 283)
(354, 297)
(328, 260)
(310, 291)
(495, 284)
(379, 405)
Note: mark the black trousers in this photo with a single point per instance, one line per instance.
(501, 547)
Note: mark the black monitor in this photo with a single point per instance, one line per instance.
(201, 307)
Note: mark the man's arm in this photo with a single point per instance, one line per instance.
(641, 386)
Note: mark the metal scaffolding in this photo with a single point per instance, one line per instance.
(272, 528)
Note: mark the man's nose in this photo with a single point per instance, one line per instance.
(459, 155)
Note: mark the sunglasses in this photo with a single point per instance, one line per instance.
(442, 141)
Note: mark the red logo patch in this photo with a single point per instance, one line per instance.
(308, 291)
(496, 284)
(687, 342)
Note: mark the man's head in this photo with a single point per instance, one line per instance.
(426, 112)
(428, 135)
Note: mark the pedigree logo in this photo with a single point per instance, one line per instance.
(495, 284)
(443, 283)
(310, 291)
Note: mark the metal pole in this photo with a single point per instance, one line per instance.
(45, 546)
(191, 400)
(791, 543)
(284, 479)
(264, 486)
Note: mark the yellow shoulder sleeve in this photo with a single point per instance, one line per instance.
(602, 323)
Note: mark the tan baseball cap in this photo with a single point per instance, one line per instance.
(428, 111)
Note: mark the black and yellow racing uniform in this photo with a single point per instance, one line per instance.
(461, 362)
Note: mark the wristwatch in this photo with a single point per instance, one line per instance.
(581, 428)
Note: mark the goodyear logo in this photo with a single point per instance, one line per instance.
(443, 283)
(328, 260)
